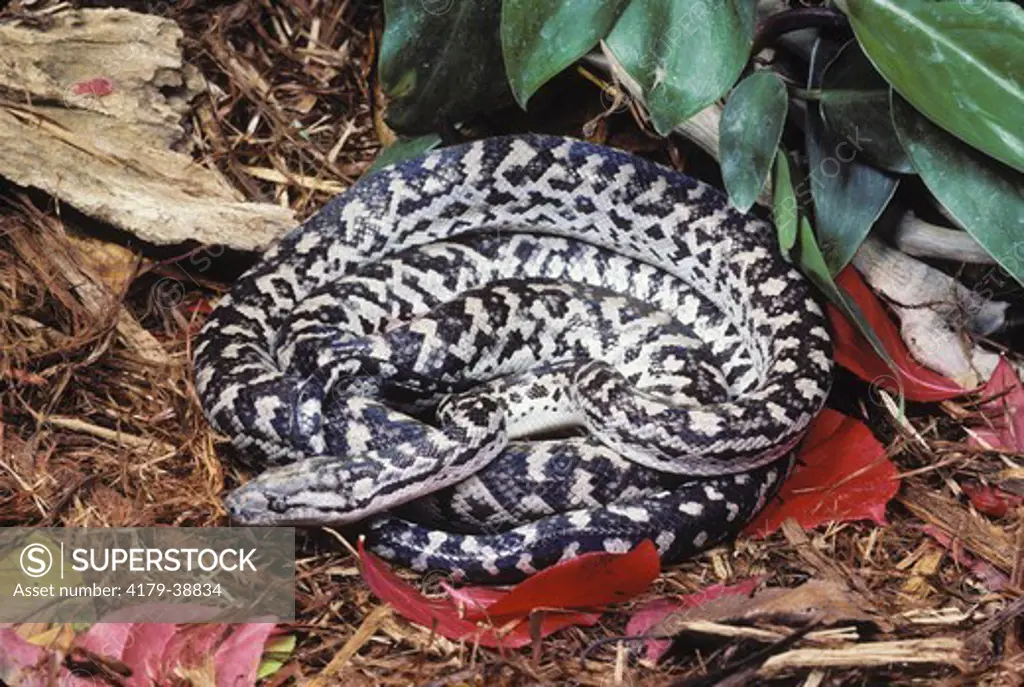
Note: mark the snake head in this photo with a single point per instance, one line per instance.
(312, 491)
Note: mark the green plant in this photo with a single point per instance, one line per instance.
(867, 95)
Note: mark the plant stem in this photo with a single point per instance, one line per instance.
(805, 93)
(794, 20)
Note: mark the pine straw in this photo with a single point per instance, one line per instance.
(289, 115)
(101, 426)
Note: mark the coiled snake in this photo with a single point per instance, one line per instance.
(513, 351)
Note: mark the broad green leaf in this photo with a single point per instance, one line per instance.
(785, 211)
(404, 149)
(685, 54)
(275, 653)
(855, 105)
(268, 667)
(849, 195)
(812, 264)
(983, 195)
(441, 59)
(749, 135)
(540, 38)
(958, 63)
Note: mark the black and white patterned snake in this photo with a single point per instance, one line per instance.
(510, 352)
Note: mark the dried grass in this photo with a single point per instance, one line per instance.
(101, 426)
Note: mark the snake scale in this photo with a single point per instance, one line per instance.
(510, 352)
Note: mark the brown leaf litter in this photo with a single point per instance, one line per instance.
(100, 425)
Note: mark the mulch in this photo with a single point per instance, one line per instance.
(101, 426)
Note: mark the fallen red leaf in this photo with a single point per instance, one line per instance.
(508, 625)
(145, 654)
(1004, 408)
(990, 500)
(154, 652)
(191, 646)
(475, 600)
(107, 639)
(105, 642)
(843, 474)
(592, 580)
(238, 657)
(853, 351)
(99, 86)
(651, 614)
(21, 662)
(474, 597)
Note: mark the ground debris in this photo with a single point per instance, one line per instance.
(100, 425)
(94, 123)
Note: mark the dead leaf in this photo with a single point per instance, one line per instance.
(825, 602)
(853, 351)
(842, 474)
(1004, 409)
(505, 620)
(712, 603)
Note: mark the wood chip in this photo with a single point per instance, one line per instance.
(277, 177)
(55, 257)
(148, 444)
(979, 536)
(937, 651)
(369, 627)
(93, 127)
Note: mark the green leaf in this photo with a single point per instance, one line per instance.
(750, 132)
(275, 653)
(785, 211)
(812, 264)
(441, 59)
(849, 196)
(540, 38)
(268, 667)
(403, 149)
(855, 105)
(983, 195)
(685, 54)
(957, 63)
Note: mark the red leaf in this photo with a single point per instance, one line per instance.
(592, 580)
(191, 646)
(106, 639)
(153, 651)
(21, 662)
(853, 351)
(444, 616)
(99, 86)
(1004, 408)
(473, 601)
(654, 612)
(238, 657)
(145, 654)
(843, 474)
(990, 500)
(474, 597)
(1003, 389)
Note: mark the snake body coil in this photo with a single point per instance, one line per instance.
(517, 350)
